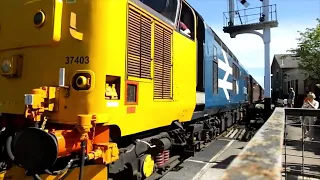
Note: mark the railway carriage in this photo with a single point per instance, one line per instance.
(112, 88)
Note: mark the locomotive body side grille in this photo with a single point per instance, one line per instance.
(162, 63)
(139, 45)
(142, 45)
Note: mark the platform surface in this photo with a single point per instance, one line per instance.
(294, 153)
(209, 163)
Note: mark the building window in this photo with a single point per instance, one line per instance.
(305, 86)
(297, 87)
(285, 90)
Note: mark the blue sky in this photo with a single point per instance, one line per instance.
(293, 15)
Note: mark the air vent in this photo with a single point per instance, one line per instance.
(162, 63)
(139, 45)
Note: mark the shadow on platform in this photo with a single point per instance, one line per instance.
(224, 163)
(309, 146)
(294, 170)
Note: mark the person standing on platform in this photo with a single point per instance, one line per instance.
(291, 97)
(311, 103)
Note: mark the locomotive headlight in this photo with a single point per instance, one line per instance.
(6, 66)
(83, 80)
(39, 18)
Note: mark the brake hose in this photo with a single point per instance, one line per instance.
(83, 158)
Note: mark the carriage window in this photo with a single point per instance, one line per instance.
(215, 57)
(215, 71)
(236, 72)
(167, 8)
(215, 77)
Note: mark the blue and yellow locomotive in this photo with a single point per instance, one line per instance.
(111, 88)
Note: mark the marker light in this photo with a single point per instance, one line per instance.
(81, 81)
(6, 66)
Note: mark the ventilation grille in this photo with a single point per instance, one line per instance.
(139, 45)
(162, 63)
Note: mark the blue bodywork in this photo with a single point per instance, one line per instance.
(226, 97)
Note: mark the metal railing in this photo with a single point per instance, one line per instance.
(274, 150)
(297, 122)
(250, 15)
(261, 157)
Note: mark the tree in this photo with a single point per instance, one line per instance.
(308, 51)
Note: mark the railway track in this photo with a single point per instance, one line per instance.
(239, 132)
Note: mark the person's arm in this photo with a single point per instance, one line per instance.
(315, 106)
(187, 32)
(184, 29)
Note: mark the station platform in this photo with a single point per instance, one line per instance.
(281, 135)
(210, 163)
(301, 158)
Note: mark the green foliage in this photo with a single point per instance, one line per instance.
(308, 51)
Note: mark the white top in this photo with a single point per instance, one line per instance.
(314, 104)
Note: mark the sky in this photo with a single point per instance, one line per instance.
(292, 15)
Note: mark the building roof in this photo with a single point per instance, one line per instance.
(286, 60)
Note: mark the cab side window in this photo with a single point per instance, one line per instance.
(167, 8)
(186, 21)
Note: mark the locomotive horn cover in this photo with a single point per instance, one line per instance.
(35, 150)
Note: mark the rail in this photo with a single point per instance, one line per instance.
(267, 156)
(250, 15)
